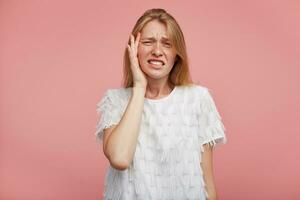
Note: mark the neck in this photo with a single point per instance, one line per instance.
(158, 89)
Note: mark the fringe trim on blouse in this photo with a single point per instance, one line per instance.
(110, 115)
(211, 122)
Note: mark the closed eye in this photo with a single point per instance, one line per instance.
(165, 43)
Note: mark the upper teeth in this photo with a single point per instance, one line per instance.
(156, 62)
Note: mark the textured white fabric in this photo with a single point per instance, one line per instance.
(166, 164)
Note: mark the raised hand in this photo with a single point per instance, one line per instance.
(139, 77)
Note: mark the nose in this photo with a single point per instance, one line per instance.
(157, 50)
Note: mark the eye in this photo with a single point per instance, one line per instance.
(167, 44)
(146, 42)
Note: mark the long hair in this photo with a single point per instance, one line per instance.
(179, 75)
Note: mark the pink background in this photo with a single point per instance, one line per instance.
(58, 57)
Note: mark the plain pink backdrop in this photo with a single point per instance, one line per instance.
(57, 58)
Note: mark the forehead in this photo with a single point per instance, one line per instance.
(155, 29)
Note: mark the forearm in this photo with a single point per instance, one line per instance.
(208, 175)
(211, 190)
(123, 139)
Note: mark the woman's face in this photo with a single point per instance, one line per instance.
(156, 53)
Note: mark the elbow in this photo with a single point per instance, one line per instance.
(212, 197)
(119, 163)
(118, 159)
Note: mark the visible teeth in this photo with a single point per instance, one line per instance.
(156, 62)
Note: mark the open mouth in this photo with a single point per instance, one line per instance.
(156, 62)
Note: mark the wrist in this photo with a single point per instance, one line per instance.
(139, 90)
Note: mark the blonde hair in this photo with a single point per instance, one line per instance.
(179, 75)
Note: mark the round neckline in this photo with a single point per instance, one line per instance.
(163, 98)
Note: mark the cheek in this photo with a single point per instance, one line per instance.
(141, 52)
(172, 57)
(143, 55)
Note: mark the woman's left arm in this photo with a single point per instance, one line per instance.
(207, 167)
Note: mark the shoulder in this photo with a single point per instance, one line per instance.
(118, 92)
(119, 96)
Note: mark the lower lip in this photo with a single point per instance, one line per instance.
(156, 66)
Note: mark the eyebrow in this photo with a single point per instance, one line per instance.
(152, 38)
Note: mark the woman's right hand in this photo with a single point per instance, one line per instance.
(139, 77)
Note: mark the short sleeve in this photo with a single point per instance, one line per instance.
(108, 110)
(212, 129)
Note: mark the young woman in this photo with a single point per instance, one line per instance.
(159, 129)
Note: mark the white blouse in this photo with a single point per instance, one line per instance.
(166, 163)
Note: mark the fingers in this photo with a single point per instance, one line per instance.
(131, 39)
(137, 39)
(133, 46)
(134, 43)
(129, 46)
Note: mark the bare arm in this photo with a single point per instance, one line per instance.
(119, 142)
(207, 166)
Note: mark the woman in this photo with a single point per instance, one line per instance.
(159, 130)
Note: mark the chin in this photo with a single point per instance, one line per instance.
(154, 73)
